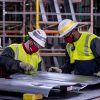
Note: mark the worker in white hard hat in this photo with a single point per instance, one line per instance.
(24, 57)
(82, 50)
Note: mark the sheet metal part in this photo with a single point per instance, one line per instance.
(90, 94)
(44, 82)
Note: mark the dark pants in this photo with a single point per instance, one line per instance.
(87, 67)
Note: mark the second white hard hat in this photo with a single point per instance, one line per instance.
(65, 26)
(39, 36)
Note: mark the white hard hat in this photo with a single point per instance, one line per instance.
(39, 36)
(65, 26)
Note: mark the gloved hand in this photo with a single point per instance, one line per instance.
(97, 74)
(55, 69)
(26, 67)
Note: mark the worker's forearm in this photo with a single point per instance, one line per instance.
(95, 47)
(7, 61)
(67, 68)
(10, 65)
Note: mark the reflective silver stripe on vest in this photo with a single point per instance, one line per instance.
(16, 53)
(68, 48)
(86, 45)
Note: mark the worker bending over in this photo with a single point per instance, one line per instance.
(24, 57)
(82, 50)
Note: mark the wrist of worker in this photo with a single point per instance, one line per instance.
(20, 68)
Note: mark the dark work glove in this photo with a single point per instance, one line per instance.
(97, 74)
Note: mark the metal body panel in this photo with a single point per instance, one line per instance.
(43, 82)
(90, 94)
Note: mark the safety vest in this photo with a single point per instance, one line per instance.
(82, 49)
(20, 54)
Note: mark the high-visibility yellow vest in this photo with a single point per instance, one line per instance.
(82, 48)
(20, 54)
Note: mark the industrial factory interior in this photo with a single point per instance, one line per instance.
(20, 19)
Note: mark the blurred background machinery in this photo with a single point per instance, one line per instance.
(17, 17)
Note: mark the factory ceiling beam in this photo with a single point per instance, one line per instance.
(42, 9)
(11, 22)
(56, 22)
(12, 0)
